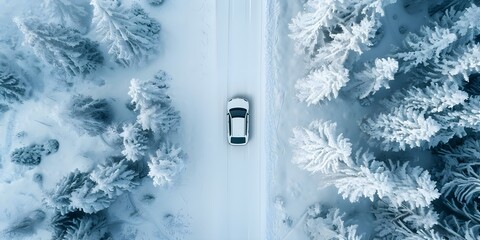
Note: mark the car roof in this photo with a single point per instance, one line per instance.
(238, 127)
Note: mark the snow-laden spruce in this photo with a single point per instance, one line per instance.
(114, 178)
(401, 128)
(464, 61)
(135, 141)
(429, 45)
(374, 77)
(433, 98)
(63, 49)
(319, 148)
(32, 154)
(319, 19)
(14, 83)
(167, 163)
(72, 14)
(59, 198)
(79, 226)
(354, 38)
(405, 222)
(129, 33)
(324, 223)
(322, 84)
(154, 106)
(361, 175)
(88, 115)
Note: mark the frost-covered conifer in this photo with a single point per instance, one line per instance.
(374, 77)
(160, 119)
(430, 44)
(88, 201)
(464, 62)
(433, 98)
(155, 2)
(319, 148)
(405, 222)
(135, 141)
(466, 117)
(362, 176)
(14, 85)
(64, 49)
(72, 14)
(328, 224)
(313, 26)
(60, 197)
(88, 227)
(130, 34)
(149, 92)
(400, 184)
(355, 37)
(401, 128)
(32, 155)
(166, 165)
(88, 115)
(468, 24)
(154, 105)
(78, 225)
(114, 178)
(322, 84)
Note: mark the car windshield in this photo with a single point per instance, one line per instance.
(238, 140)
(238, 112)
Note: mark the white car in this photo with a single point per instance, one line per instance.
(237, 121)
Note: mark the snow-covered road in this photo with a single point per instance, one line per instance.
(223, 187)
(239, 41)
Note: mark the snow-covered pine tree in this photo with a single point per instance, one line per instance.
(463, 62)
(354, 38)
(154, 105)
(397, 183)
(374, 77)
(468, 116)
(14, 84)
(32, 154)
(432, 98)
(64, 49)
(130, 34)
(159, 119)
(319, 148)
(312, 27)
(88, 227)
(72, 14)
(88, 201)
(166, 165)
(429, 45)
(60, 197)
(405, 222)
(79, 225)
(362, 176)
(322, 84)
(402, 128)
(328, 224)
(114, 178)
(467, 24)
(88, 115)
(155, 2)
(146, 93)
(135, 141)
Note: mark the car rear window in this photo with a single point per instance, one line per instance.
(238, 112)
(238, 140)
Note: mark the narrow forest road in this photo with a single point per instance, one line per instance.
(223, 189)
(239, 58)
